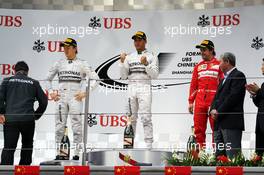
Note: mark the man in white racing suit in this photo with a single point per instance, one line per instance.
(73, 74)
(139, 68)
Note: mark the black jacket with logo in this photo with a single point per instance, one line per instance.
(259, 102)
(17, 97)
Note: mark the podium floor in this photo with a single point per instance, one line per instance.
(103, 170)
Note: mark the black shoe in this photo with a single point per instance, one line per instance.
(75, 157)
(58, 157)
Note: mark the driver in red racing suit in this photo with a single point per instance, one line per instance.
(205, 79)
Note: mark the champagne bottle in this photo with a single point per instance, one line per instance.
(192, 144)
(129, 132)
(129, 135)
(65, 146)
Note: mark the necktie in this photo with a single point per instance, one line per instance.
(225, 78)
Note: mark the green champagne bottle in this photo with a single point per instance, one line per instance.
(129, 134)
(65, 146)
(192, 144)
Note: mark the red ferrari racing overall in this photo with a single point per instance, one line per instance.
(205, 79)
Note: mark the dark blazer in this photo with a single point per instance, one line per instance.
(17, 97)
(259, 102)
(229, 102)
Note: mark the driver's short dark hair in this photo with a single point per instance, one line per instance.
(212, 49)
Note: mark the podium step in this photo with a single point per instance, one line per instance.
(119, 157)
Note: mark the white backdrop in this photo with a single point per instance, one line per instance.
(167, 32)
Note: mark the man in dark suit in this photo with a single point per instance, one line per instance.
(17, 97)
(257, 94)
(227, 108)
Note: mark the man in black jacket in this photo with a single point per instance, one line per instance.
(227, 108)
(257, 94)
(17, 96)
